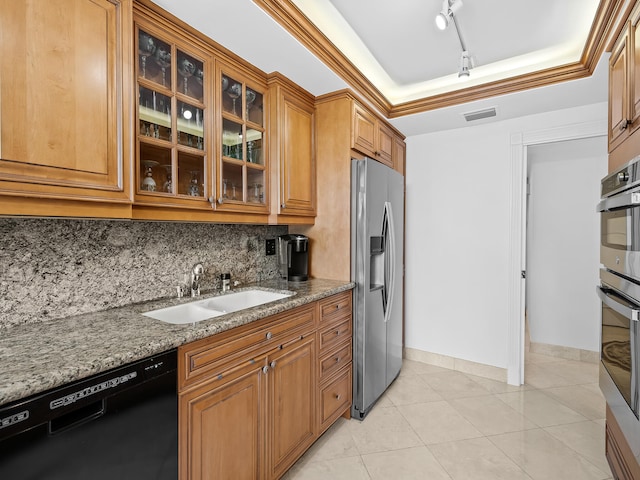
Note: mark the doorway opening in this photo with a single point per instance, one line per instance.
(562, 247)
(521, 143)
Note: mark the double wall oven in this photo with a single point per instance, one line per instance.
(619, 292)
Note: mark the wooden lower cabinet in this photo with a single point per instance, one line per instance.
(620, 457)
(220, 428)
(291, 386)
(253, 399)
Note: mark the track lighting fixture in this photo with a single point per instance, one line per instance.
(449, 8)
(446, 16)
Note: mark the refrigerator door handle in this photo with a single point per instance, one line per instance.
(390, 261)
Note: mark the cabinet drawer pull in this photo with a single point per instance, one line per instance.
(269, 335)
(337, 332)
(337, 396)
(337, 359)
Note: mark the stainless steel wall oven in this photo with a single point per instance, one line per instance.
(619, 292)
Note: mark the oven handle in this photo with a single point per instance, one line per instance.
(619, 201)
(610, 302)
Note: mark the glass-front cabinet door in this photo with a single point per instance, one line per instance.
(243, 166)
(173, 121)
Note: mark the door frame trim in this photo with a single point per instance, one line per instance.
(517, 242)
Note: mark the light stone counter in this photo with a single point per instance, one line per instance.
(38, 356)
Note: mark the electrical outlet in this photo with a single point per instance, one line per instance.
(270, 246)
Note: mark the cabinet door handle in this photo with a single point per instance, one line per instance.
(283, 205)
(265, 369)
(269, 336)
(220, 200)
(273, 364)
(337, 396)
(625, 123)
(337, 359)
(337, 332)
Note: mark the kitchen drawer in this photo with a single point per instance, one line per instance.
(335, 398)
(334, 361)
(336, 306)
(335, 334)
(212, 355)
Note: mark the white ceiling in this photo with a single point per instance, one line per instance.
(403, 54)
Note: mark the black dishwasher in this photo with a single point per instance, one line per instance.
(120, 424)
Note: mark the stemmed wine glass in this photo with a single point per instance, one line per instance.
(250, 97)
(199, 75)
(146, 48)
(250, 145)
(163, 58)
(225, 194)
(234, 93)
(149, 184)
(194, 189)
(168, 186)
(186, 68)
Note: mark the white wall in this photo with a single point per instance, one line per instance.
(457, 227)
(563, 242)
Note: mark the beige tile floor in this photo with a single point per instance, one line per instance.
(439, 424)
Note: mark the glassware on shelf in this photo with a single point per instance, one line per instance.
(256, 193)
(163, 59)
(146, 48)
(194, 188)
(148, 183)
(186, 68)
(250, 151)
(234, 93)
(233, 191)
(199, 75)
(225, 83)
(250, 98)
(168, 185)
(225, 193)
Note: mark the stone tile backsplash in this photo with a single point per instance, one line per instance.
(51, 268)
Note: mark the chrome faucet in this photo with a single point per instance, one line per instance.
(198, 270)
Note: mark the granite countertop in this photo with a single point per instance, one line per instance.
(38, 356)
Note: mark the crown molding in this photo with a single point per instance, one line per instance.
(607, 24)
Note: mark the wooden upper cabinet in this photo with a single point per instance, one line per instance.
(618, 92)
(364, 131)
(372, 136)
(624, 94)
(399, 155)
(634, 68)
(385, 144)
(292, 133)
(243, 169)
(65, 102)
(173, 127)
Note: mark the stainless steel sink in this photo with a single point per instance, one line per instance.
(199, 310)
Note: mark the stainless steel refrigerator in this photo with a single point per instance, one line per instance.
(377, 229)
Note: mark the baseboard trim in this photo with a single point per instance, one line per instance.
(452, 363)
(567, 353)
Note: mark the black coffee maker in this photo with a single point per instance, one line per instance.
(293, 257)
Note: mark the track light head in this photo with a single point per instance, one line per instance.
(449, 9)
